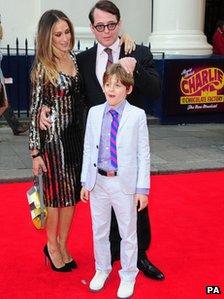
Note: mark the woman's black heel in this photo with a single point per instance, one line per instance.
(72, 264)
(65, 268)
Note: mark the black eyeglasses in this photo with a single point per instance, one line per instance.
(101, 28)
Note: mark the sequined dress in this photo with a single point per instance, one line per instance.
(60, 146)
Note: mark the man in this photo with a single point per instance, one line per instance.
(105, 25)
(218, 39)
(13, 122)
(92, 62)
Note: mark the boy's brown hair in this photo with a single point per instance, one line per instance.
(121, 74)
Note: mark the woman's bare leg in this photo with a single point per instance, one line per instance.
(52, 229)
(65, 221)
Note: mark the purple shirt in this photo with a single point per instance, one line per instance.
(104, 146)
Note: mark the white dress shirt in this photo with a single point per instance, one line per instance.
(102, 57)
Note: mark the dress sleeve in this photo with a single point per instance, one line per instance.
(36, 104)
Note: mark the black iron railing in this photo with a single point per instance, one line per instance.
(17, 63)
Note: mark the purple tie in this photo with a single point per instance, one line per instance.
(113, 136)
(110, 57)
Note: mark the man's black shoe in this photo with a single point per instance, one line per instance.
(21, 129)
(149, 269)
(114, 258)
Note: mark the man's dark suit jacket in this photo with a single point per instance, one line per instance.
(147, 82)
(147, 85)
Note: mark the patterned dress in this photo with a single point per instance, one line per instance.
(61, 145)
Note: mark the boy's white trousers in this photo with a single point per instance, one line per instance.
(107, 193)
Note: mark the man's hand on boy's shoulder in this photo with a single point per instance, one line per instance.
(141, 201)
(44, 120)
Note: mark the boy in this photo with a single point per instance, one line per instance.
(116, 169)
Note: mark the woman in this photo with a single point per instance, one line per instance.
(57, 153)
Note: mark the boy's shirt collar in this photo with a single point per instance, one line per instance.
(118, 108)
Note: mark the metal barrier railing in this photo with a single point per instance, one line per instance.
(17, 63)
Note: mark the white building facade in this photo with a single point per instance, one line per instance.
(171, 26)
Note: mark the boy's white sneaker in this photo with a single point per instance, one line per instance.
(126, 289)
(98, 280)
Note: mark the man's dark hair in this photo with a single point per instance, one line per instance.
(107, 6)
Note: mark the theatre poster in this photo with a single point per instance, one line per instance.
(194, 86)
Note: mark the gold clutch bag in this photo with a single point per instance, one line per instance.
(36, 203)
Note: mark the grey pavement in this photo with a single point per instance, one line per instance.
(174, 148)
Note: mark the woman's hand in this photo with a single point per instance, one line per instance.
(38, 165)
(129, 43)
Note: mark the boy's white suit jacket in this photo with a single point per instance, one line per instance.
(133, 152)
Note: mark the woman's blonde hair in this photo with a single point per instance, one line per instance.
(45, 52)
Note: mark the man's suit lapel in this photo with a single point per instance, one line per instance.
(92, 66)
(122, 54)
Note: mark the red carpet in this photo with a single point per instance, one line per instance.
(187, 225)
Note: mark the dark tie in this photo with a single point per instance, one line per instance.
(113, 136)
(110, 57)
